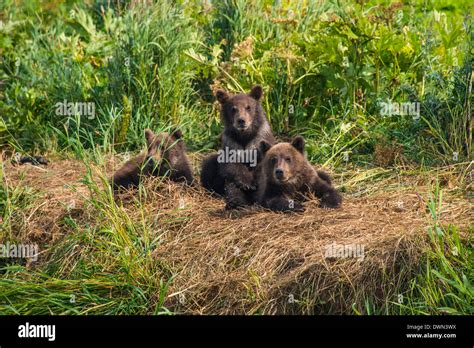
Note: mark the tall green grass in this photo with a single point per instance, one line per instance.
(444, 283)
(104, 267)
(325, 68)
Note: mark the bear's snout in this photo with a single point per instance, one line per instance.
(241, 122)
(279, 173)
(242, 119)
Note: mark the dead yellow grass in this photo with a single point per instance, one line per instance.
(256, 261)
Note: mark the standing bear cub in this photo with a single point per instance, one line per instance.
(286, 176)
(165, 156)
(231, 172)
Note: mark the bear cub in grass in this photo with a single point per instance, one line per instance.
(286, 176)
(165, 156)
(231, 172)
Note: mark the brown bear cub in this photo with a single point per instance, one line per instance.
(231, 172)
(165, 156)
(286, 176)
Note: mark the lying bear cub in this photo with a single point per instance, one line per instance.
(165, 156)
(285, 176)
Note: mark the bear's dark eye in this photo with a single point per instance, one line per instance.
(248, 108)
(234, 108)
(288, 159)
(274, 160)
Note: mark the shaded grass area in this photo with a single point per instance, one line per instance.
(169, 248)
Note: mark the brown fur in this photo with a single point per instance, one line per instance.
(245, 127)
(285, 177)
(165, 156)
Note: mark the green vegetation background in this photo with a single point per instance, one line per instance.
(325, 66)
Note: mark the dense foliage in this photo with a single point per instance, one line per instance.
(326, 67)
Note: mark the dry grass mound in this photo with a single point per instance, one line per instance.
(256, 261)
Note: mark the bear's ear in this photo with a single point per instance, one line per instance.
(264, 147)
(176, 133)
(149, 136)
(222, 96)
(298, 143)
(256, 92)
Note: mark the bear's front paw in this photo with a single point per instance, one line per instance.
(331, 200)
(235, 198)
(286, 206)
(246, 185)
(296, 207)
(231, 205)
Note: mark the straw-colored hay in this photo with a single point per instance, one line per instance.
(256, 261)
